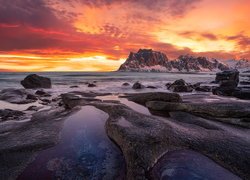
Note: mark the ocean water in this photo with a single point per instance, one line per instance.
(106, 81)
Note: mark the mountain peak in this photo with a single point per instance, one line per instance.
(148, 60)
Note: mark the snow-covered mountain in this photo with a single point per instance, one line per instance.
(242, 64)
(147, 60)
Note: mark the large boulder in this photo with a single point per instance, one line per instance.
(180, 86)
(33, 81)
(228, 82)
(229, 78)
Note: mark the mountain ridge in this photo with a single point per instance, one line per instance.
(147, 60)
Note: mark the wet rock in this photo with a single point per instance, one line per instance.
(196, 85)
(180, 86)
(46, 101)
(25, 140)
(204, 88)
(221, 111)
(228, 81)
(8, 114)
(186, 164)
(17, 96)
(144, 139)
(245, 83)
(33, 108)
(242, 94)
(71, 100)
(33, 81)
(223, 91)
(228, 78)
(91, 85)
(31, 96)
(151, 87)
(142, 98)
(137, 85)
(42, 93)
(125, 84)
(167, 84)
(74, 86)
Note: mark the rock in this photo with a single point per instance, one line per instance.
(228, 81)
(204, 88)
(31, 96)
(151, 87)
(196, 85)
(180, 86)
(229, 78)
(137, 85)
(179, 82)
(125, 84)
(42, 93)
(223, 91)
(245, 83)
(17, 96)
(33, 81)
(74, 87)
(142, 98)
(221, 111)
(71, 100)
(46, 100)
(8, 114)
(144, 139)
(91, 85)
(167, 84)
(33, 108)
(242, 94)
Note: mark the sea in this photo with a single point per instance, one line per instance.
(106, 82)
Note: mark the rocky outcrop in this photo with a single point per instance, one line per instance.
(234, 113)
(33, 81)
(147, 60)
(144, 139)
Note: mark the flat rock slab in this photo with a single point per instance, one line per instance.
(144, 139)
(142, 98)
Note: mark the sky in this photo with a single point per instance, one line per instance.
(97, 35)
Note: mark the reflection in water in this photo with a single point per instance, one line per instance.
(189, 165)
(84, 152)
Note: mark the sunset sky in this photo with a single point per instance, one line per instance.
(97, 35)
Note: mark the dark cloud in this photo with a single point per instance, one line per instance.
(29, 12)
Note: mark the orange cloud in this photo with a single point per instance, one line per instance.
(83, 35)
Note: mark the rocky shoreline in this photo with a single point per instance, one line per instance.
(213, 126)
